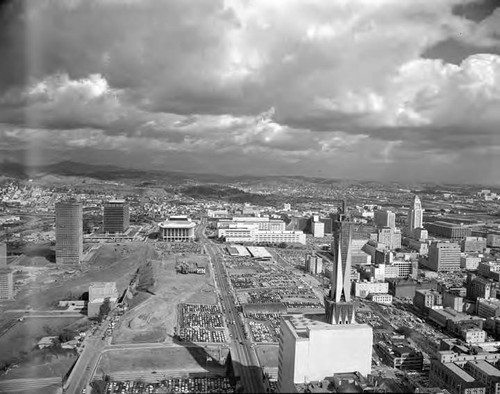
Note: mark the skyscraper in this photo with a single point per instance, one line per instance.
(338, 306)
(116, 216)
(6, 278)
(69, 232)
(415, 216)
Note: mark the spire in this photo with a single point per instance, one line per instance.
(338, 308)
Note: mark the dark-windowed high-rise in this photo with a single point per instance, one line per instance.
(338, 306)
(116, 216)
(69, 232)
(6, 278)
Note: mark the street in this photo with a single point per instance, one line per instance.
(251, 374)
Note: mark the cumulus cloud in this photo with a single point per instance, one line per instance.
(240, 78)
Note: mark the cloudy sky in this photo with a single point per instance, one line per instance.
(363, 89)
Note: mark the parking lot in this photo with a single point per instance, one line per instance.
(201, 323)
(265, 327)
(187, 385)
(178, 247)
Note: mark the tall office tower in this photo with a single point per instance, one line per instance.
(314, 347)
(444, 256)
(338, 306)
(415, 216)
(3, 255)
(69, 232)
(6, 278)
(385, 219)
(116, 216)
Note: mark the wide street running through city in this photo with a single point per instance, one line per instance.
(243, 354)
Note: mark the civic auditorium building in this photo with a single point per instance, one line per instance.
(177, 229)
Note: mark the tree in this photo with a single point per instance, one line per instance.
(67, 335)
(104, 309)
(282, 245)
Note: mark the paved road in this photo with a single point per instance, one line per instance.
(13, 385)
(251, 374)
(84, 368)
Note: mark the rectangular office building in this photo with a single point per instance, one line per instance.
(69, 232)
(116, 216)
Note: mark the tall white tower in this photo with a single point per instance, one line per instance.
(338, 306)
(415, 216)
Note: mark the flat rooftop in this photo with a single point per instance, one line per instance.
(486, 367)
(460, 372)
(177, 224)
(259, 252)
(317, 322)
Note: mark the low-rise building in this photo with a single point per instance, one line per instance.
(493, 240)
(427, 298)
(99, 292)
(453, 301)
(479, 287)
(177, 229)
(453, 231)
(402, 288)
(473, 244)
(314, 264)
(362, 289)
(454, 379)
(469, 262)
(381, 298)
(489, 269)
(485, 373)
(488, 307)
(399, 354)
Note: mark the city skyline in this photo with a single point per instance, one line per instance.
(366, 90)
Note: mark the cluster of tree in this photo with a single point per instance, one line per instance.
(104, 309)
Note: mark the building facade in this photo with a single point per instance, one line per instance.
(177, 229)
(444, 256)
(69, 232)
(363, 289)
(384, 219)
(449, 230)
(116, 216)
(415, 216)
(310, 350)
(451, 377)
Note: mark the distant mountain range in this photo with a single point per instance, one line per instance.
(173, 178)
(99, 171)
(111, 172)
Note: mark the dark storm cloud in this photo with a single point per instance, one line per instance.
(236, 79)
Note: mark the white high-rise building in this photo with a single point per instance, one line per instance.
(415, 216)
(313, 347)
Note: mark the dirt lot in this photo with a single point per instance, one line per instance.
(268, 355)
(175, 358)
(154, 319)
(112, 262)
